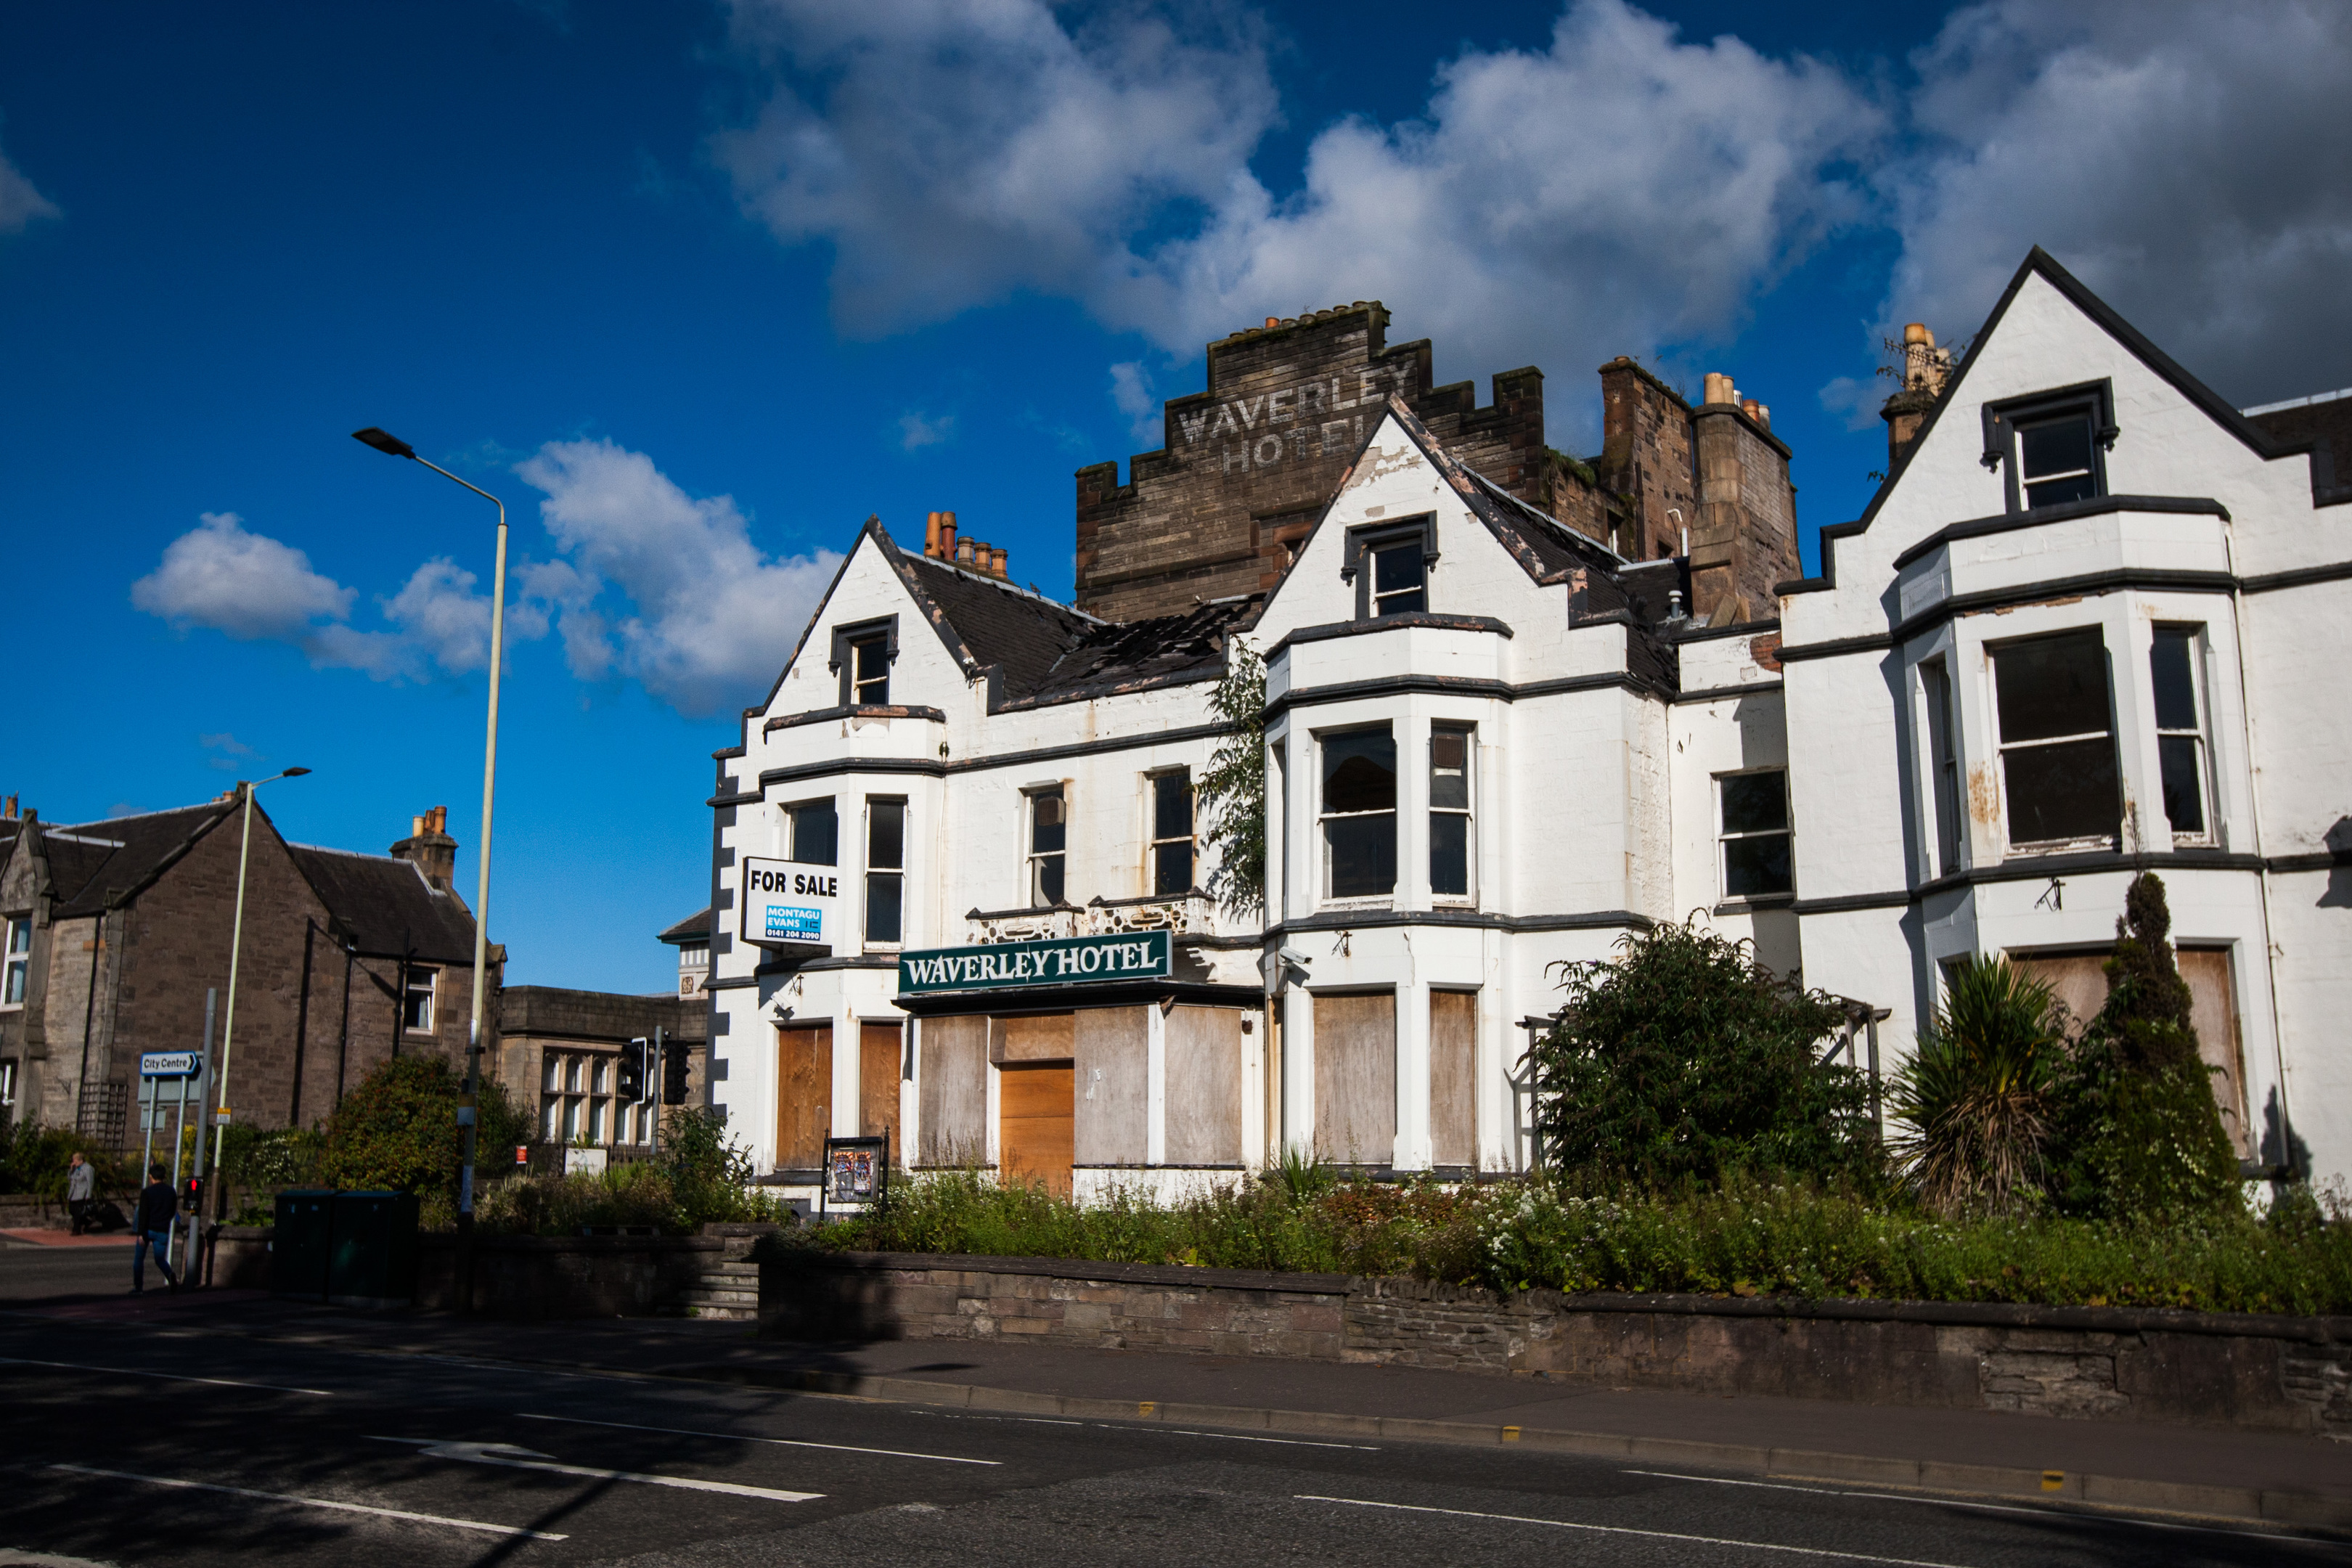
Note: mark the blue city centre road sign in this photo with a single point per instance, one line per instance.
(169, 1064)
(1055, 961)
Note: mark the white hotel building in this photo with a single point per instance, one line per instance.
(2092, 624)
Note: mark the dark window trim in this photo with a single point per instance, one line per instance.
(2001, 419)
(857, 631)
(1379, 536)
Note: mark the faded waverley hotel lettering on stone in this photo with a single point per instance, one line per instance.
(1302, 407)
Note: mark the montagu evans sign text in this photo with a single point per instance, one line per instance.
(1067, 961)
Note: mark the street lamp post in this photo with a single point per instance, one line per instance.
(236, 944)
(393, 446)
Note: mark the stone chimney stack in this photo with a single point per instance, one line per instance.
(431, 849)
(1926, 368)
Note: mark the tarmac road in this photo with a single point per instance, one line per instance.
(184, 1445)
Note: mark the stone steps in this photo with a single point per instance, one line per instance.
(727, 1291)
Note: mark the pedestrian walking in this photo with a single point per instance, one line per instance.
(81, 1190)
(151, 1226)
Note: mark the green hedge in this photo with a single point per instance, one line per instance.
(1744, 1239)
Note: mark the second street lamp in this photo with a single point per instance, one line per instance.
(393, 446)
(228, 1022)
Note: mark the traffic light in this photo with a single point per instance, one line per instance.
(191, 1194)
(674, 1060)
(631, 1088)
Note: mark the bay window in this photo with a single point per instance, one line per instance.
(1359, 822)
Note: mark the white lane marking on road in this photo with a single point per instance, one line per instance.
(166, 1376)
(515, 1459)
(744, 1437)
(2076, 1507)
(1245, 1438)
(1627, 1530)
(316, 1502)
(1026, 1420)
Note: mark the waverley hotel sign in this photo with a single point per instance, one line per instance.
(1066, 961)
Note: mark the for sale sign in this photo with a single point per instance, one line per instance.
(788, 903)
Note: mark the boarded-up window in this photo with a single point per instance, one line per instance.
(2080, 981)
(953, 1075)
(1204, 1086)
(877, 1085)
(1110, 1047)
(1453, 1078)
(1033, 1129)
(1354, 1079)
(803, 1094)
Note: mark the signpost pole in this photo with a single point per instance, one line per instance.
(179, 1138)
(147, 1115)
(652, 1088)
(203, 1123)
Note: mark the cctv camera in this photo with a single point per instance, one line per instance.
(1293, 957)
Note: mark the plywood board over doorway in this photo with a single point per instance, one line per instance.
(953, 1076)
(1204, 1086)
(1354, 1079)
(877, 1085)
(803, 1093)
(1452, 1055)
(1034, 1135)
(1111, 1051)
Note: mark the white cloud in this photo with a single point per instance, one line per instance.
(20, 204)
(2188, 162)
(246, 585)
(1130, 388)
(228, 753)
(918, 430)
(1855, 401)
(1638, 186)
(710, 618)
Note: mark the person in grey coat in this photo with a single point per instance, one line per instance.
(81, 1190)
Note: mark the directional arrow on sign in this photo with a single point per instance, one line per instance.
(517, 1458)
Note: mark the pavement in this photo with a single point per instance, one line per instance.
(1100, 1440)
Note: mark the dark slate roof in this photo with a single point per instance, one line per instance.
(1164, 650)
(1023, 635)
(692, 929)
(384, 906)
(95, 864)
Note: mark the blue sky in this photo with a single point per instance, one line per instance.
(698, 286)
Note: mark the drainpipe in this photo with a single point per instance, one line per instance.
(2262, 847)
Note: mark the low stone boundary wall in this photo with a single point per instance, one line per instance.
(544, 1277)
(2284, 1373)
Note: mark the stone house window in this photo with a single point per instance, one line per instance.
(1049, 843)
(1171, 831)
(1449, 811)
(886, 868)
(2172, 666)
(1754, 811)
(1359, 813)
(2060, 784)
(416, 999)
(19, 968)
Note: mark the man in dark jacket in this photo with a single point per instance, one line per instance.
(81, 1188)
(151, 1226)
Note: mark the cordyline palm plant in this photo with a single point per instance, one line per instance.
(1976, 1102)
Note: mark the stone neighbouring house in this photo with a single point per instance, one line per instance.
(1502, 733)
(116, 928)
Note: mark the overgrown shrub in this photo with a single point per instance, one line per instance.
(709, 1173)
(1974, 1101)
(634, 1195)
(1685, 1060)
(33, 1160)
(398, 1129)
(2138, 1129)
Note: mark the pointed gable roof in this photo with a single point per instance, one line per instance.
(2040, 263)
(96, 866)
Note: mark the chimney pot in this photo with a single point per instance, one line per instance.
(1718, 388)
(1749, 406)
(931, 534)
(1273, 321)
(947, 536)
(1917, 333)
(996, 561)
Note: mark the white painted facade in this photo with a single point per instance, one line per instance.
(1601, 732)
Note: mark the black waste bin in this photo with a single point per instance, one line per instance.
(373, 1256)
(298, 1246)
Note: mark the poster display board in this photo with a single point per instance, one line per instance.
(856, 1175)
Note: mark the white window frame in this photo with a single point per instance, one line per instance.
(1725, 837)
(1032, 858)
(16, 977)
(1467, 811)
(431, 990)
(2199, 734)
(2002, 747)
(1324, 818)
(8, 1084)
(1153, 843)
(789, 816)
(896, 873)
